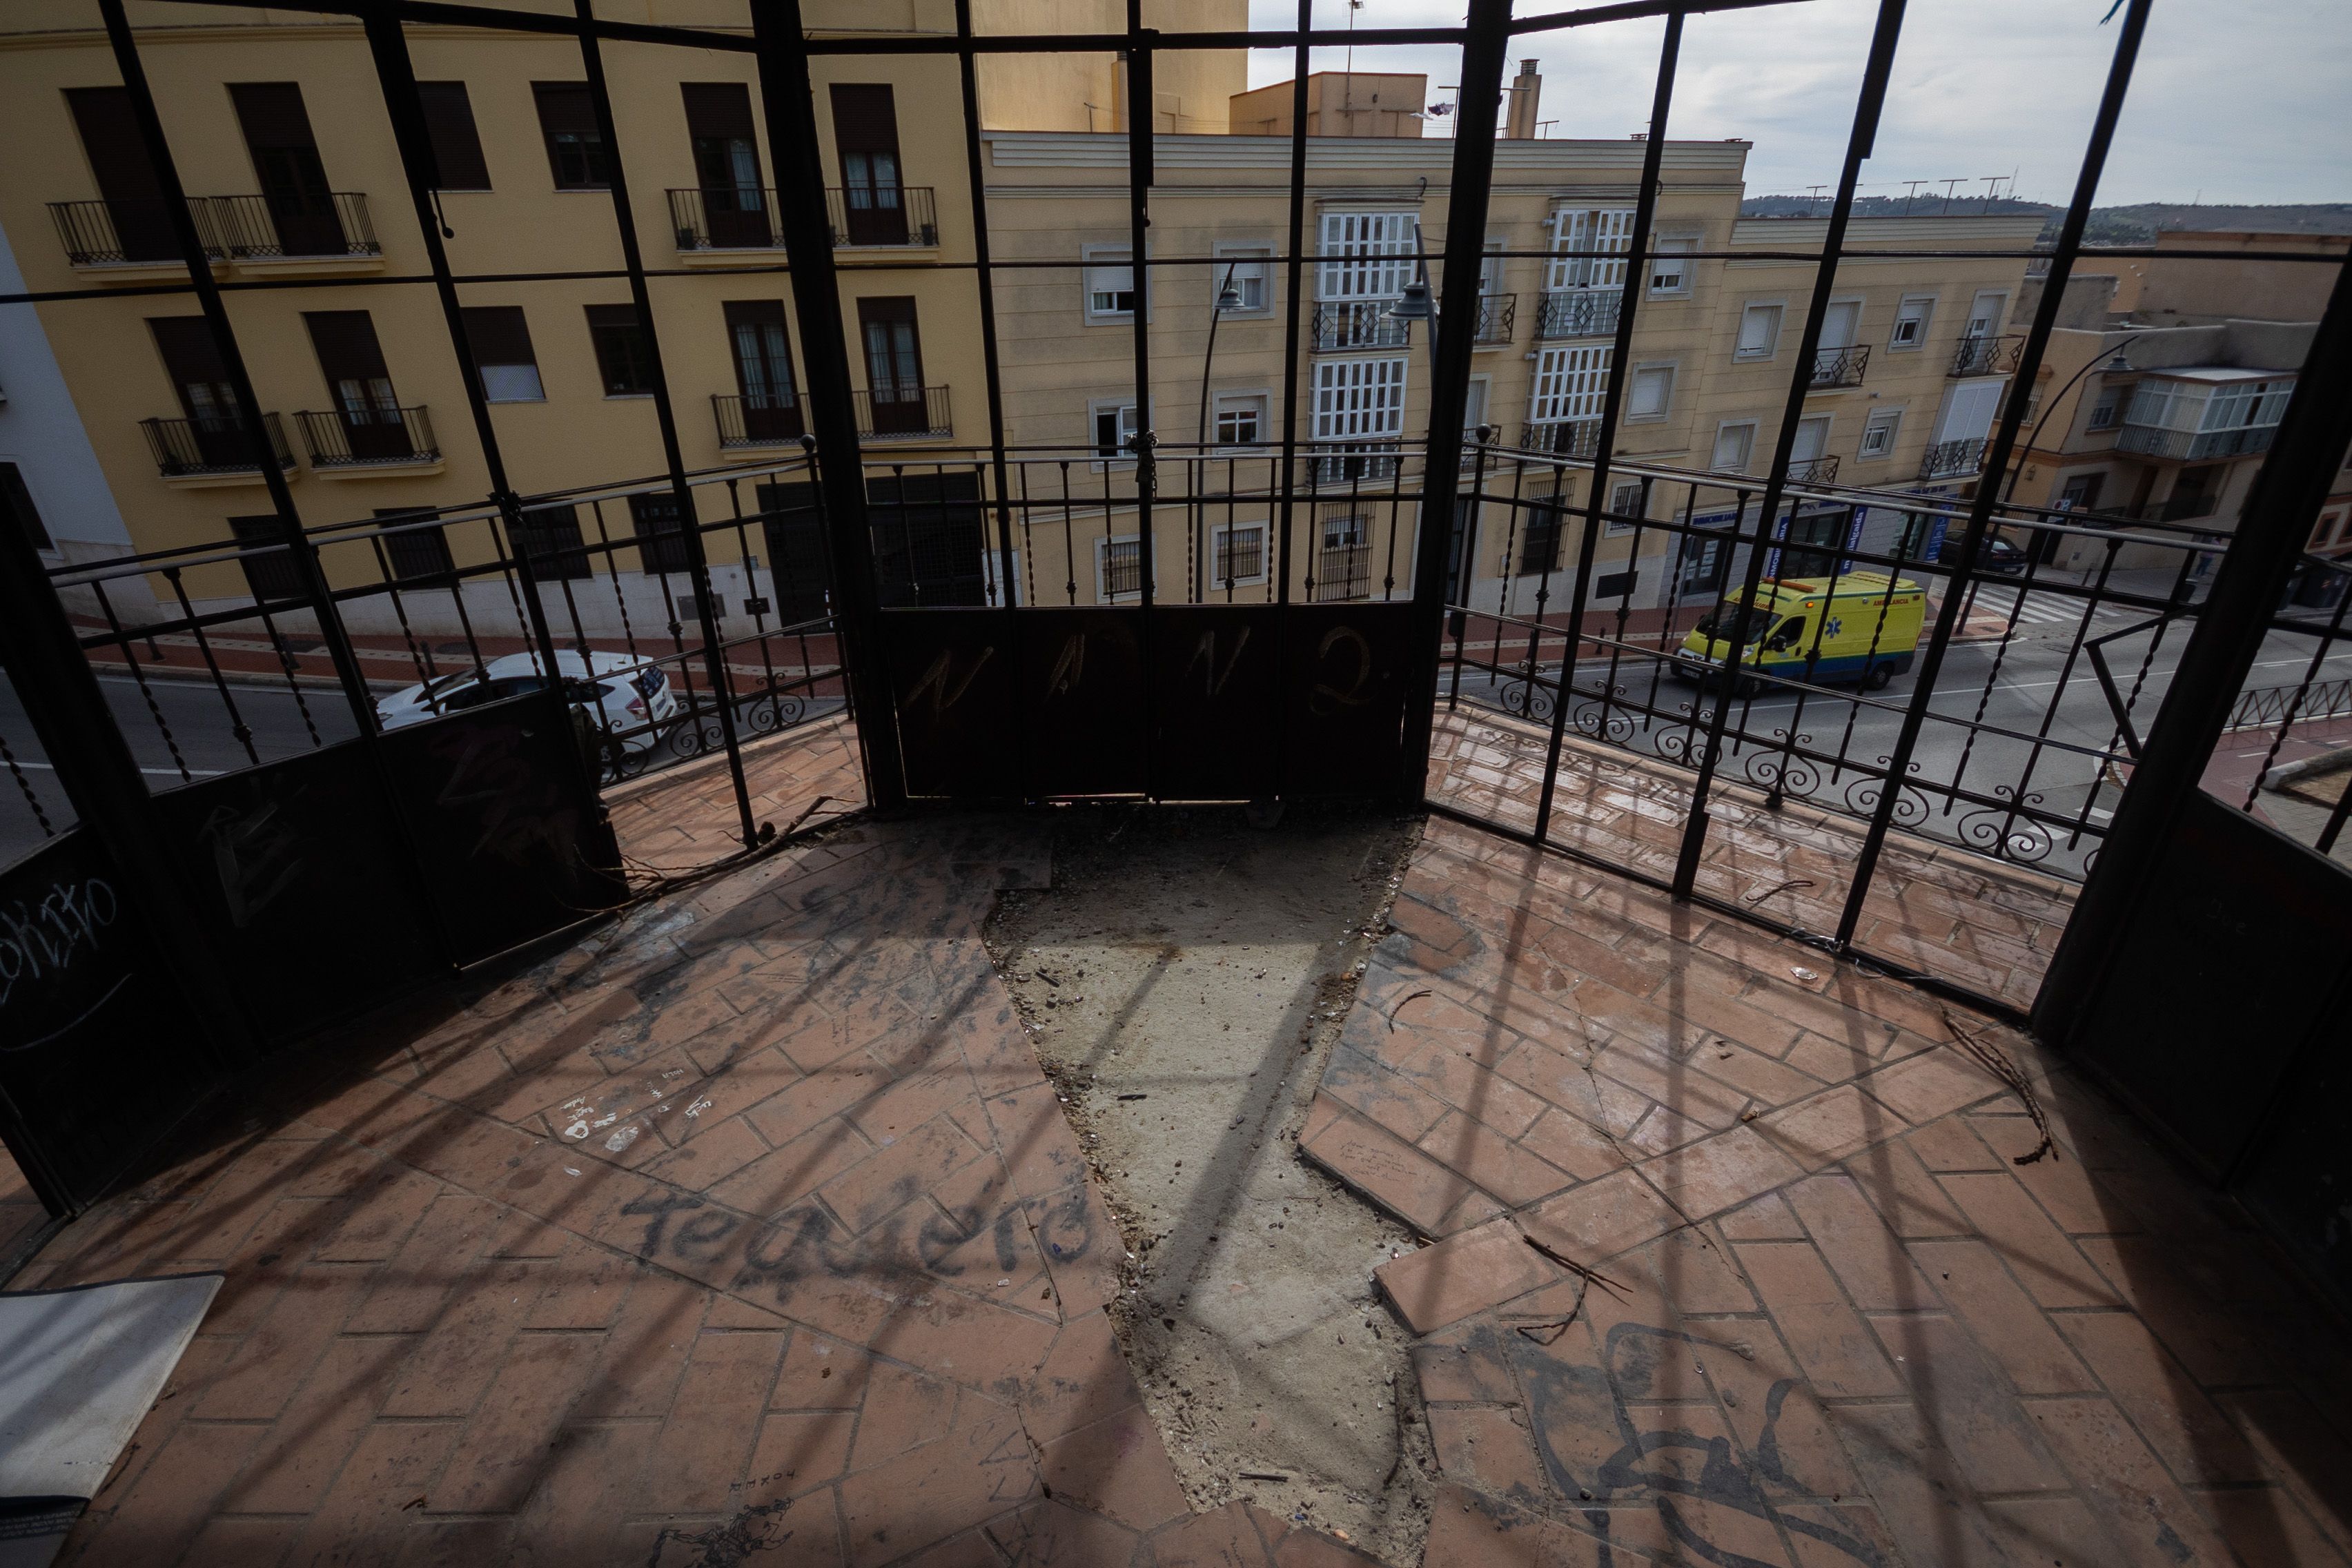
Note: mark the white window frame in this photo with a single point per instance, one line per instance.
(1633, 413)
(1101, 261)
(1886, 420)
(1260, 402)
(1128, 428)
(1824, 424)
(1249, 254)
(1918, 310)
(1608, 230)
(1854, 338)
(1748, 447)
(1569, 383)
(1664, 247)
(1364, 254)
(1482, 396)
(2114, 398)
(1219, 533)
(1104, 543)
(1779, 315)
(2000, 297)
(1360, 399)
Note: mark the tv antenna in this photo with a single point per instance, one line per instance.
(1913, 191)
(1948, 185)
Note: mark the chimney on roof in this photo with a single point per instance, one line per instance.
(1526, 87)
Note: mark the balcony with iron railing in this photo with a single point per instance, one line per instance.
(909, 413)
(770, 419)
(1577, 313)
(212, 447)
(1840, 367)
(368, 438)
(2194, 445)
(1952, 459)
(1498, 318)
(1563, 438)
(728, 218)
(1357, 324)
(139, 232)
(1986, 357)
(1813, 471)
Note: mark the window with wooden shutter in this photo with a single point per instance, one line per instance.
(286, 159)
(117, 160)
(576, 153)
(456, 142)
(866, 139)
(500, 339)
(727, 162)
(269, 570)
(623, 356)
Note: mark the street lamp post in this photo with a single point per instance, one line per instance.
(2120, 364)
(1228, 299)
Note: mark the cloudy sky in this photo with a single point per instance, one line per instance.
(2234, 100)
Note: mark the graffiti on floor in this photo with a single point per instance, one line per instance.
(1652, 1462)
(757, 1528)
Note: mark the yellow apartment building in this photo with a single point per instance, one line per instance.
(282, 139)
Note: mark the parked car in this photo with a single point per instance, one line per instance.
(627, 699)
(1995, 555)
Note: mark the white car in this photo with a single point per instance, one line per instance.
(630, 698)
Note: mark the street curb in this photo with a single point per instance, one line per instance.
(2329, 762)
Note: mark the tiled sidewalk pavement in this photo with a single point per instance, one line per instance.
(1842, 1326)
(1944, 912)
(686, 816)
(748, 1231)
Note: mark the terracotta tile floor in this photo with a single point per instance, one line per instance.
(747, 1230)
(688, 817)
(1990, 927)
(749, 1225)
(1839, 1323)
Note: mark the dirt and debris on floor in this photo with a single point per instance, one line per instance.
(1183, 979)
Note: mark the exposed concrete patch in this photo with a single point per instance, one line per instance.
(1184, 979)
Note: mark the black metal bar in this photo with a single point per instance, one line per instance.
(1875, 73)
(1294, 283)
(1487, 42)
(984, 279)
(397, 78)
(68, 712)
(789, 104)
(2278, 521)
(592, 58)
(1140, 118)
(1637, 273)
(2045, 320)
(232, 368)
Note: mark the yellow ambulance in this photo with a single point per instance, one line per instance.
(1862, 627)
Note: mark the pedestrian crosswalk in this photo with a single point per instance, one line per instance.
(2041, 607)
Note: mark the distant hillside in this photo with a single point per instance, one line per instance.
(2108, 225)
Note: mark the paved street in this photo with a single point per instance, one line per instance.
(2040, 688)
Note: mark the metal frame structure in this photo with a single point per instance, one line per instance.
(872, 657)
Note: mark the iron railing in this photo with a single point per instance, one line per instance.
(914, 413)
(769, 420)
(130, 231)
(1562, 438)
(231, 228)
(1986, 357)
(1357, 324)
(188, 448)
(1840, 367)
(1952, 459)
(1813, 471)
(1498, 318)
(728, 218)
(2194, 445)
(2308, 702)
(1577, 313)
(347, 438)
